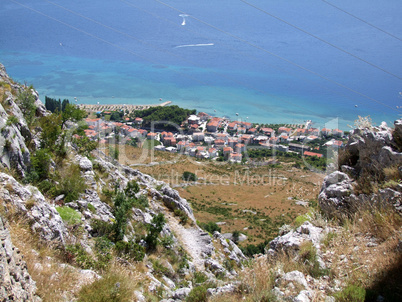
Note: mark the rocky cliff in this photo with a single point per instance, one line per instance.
(371, 165)
(15, 133)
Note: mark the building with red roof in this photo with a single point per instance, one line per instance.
(212, 126)
(308, 153)
(151, 135)
(268, 131)
(235, 157)
(219, 143)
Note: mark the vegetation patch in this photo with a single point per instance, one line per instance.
(69, 215)
(351, 293)
(112, 287)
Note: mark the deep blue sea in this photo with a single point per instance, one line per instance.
(270, 61)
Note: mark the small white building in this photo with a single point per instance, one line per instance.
(193, 120)
(198, 136)
(171, 149)
(159, 148)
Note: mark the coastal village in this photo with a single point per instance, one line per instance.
(206, 137)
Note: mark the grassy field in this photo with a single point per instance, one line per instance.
(255, 201)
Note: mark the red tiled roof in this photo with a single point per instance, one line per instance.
(308, 153)
(235, 155)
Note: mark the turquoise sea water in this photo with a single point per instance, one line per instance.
(306, 60)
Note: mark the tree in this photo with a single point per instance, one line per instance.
(154, 229)
(26, 102)
(51, 130)
(71, 113)
(40, 164)
(189, 176)
(52, 105)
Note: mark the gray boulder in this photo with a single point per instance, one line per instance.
(296, 276)
(290, 242)
(84, 163)
(334, 197)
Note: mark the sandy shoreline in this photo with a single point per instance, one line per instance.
(115, 107)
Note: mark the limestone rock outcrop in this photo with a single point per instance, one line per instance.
(15, 282)
(14, 131)
(29, 202)
(368, 157)
(291, 241)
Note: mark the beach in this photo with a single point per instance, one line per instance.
(118, 107)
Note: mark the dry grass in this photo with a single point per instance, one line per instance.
(54, 282)
(392, 173)
(117, 284)
(257, 281)
(364, 251)
(224, 191)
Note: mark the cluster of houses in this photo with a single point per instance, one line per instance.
(212, 137)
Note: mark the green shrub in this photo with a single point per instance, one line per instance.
(199, 277)
(182, 215)
(91, 208)
(167, 241)
(154, 230)
(26, 102)
(351, 293)
(235, 236)
(132, 189)
(71, 184)
(112, 287)
(122, 206)
(251, 249)
(103, 248)
(308, 257)
(40, 165)
(300, 220)
(69, 215)
(141, 202)
(159, 269)
(189, 176)
(101, 228)
(197, 294)
(130, 250)
(84, 145)
(12, 120)
(45, 186)
(210, 227)
(51, 131)
(76, 253)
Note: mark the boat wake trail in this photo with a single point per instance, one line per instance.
(195, 45)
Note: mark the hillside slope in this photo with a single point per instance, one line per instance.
(91, 229)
